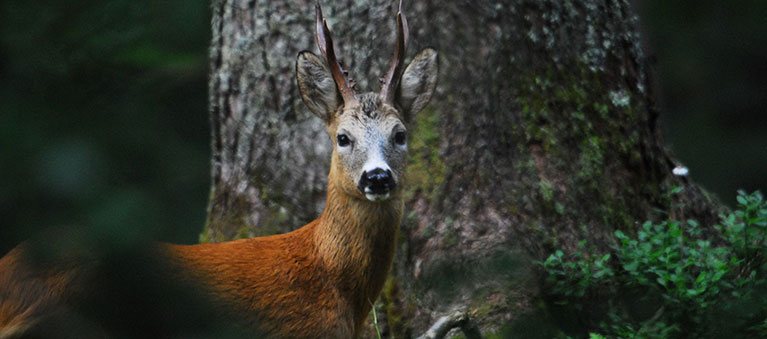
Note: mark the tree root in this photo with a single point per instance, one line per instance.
(444, 324)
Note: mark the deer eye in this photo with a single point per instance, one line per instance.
(343, 140)
(400, 138)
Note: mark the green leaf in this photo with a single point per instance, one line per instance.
(742, 200)
(631, 267)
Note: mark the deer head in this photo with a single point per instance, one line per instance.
(368, 130)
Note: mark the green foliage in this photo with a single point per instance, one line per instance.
(695, 282)
(104, 121)
(620, 328)
(745, 229)
(572, 276)
(671, 257)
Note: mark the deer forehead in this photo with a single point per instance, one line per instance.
(368, 118)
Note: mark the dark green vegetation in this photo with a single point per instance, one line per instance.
(670, 278)
(709, 64)
(103, 123)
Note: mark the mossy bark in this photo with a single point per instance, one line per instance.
(543, 132)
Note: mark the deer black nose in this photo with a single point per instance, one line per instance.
(377, 181)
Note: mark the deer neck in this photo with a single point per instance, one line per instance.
(356, 239)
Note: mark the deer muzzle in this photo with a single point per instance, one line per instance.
(377, 184)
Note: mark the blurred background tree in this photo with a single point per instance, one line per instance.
(104, 119)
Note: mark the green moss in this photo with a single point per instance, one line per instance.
(546, 190)
(243, 232)
(233, 224)
(451, 238)
(559, 106)
(204, 236)
(426, 169)
(559, 208)
(397, 309)
(542, 104)
(615, 213)
(482, 311)
(591, 163)
(580, 123)
(273, 222)
(229, 222)
(427, 232)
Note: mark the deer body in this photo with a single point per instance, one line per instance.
(302, 283)
(319, 280)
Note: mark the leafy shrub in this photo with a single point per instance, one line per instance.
(745, 229)
(572, 277)
(671, 257)
(618, 327)
(690, 273)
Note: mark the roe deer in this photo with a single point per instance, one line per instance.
(321, 279)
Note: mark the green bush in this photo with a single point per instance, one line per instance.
(671, 257)
(572, 277)
(618, 327)
(681, 270)
(745, 229)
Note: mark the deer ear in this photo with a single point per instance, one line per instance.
(418, 83)
(316, 85)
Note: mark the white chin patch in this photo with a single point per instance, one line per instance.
(377, 197)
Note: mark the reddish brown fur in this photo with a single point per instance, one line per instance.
(29, 293)
(317, 281)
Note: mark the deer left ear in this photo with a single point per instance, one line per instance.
(418, 82)
(316, 85)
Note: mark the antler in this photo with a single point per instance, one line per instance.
(325, 43)
(391, 80)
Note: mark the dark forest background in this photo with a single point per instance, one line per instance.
(104, 114)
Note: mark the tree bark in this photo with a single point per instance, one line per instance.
(543, 132)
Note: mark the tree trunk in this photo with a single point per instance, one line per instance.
(542, 133)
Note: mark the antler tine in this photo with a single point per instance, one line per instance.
(392, 77)
(325, 44)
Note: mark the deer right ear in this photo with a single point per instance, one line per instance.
(316, 85)
(418, 83)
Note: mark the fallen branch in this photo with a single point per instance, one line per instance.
(444, 324)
